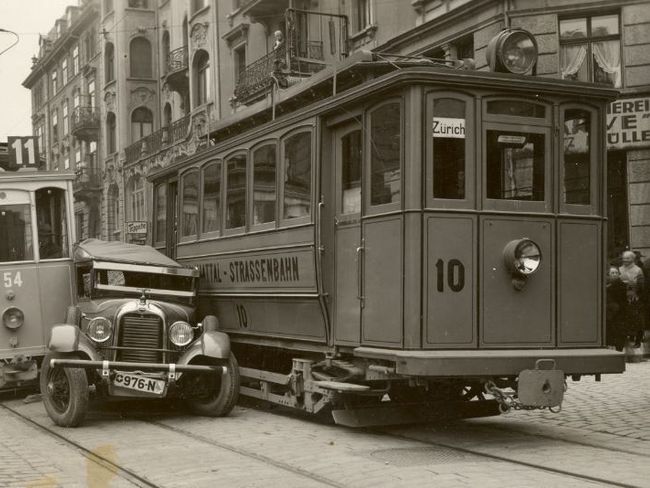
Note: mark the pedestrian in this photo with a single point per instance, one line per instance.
(615, 297)
(632, 278)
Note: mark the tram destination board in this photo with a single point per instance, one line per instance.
(22, 153)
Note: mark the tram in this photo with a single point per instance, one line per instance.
(35, 266)
(400, 240)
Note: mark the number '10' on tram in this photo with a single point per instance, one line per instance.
(420, 241)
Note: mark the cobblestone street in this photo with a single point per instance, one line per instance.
(601, 438)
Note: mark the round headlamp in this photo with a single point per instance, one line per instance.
(181, 333)
(100, 329)
(512, 51)
(522, 256)
(13, 317)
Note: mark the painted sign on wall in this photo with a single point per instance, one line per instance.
(628, 123)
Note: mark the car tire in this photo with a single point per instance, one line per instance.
(223, 398)
(64, 392)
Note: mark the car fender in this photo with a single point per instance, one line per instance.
(69, 338)
(212, 344)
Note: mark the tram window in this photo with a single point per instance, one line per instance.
(385, 150)
(297, 176)
(236, 192)
(351, 148)
(516, 108)
(16, 225)
(448, 148)
(51, 223)
(264, 169)
(577, 157)
(190, 224)
(212, 197)
(160, 198)
(515, 165)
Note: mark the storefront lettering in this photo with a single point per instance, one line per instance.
(628, 123)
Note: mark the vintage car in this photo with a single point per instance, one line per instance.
(133, 333)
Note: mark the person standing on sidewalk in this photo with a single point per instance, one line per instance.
(616, 300)
(633, 279)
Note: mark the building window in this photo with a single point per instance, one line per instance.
(590, 49)
(76, 99)
(75, 60)
(77, 152)
(361, 14)
(202, 77)
(90, 43)
(141, 123)
(111, 135)
(39, 136)
(136, 199)
(140, 58)
(91, 93)
(66, 118)
(55, 126)
(167, 115)
(297, 176)
(212, 197)
(109, 62)
(55, 86)
(165, 51)
(38, 95)
(64, 72)
(113, 203)
(239, 59)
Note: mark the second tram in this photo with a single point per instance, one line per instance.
(400, 240)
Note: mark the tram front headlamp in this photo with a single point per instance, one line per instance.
(522, 257)
(512, 51)
(100, 329)
(181, 333)
(13, 318)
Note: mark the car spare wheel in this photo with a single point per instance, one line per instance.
(215, 394)
(64, 392)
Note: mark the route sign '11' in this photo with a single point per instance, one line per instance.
(23, 153)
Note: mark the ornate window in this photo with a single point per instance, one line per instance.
(202, 77)
(140, 58)
(141, 123)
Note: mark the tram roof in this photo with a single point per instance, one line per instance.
(121, 252)
(17, 176)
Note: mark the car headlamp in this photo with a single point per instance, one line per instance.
(522, 257)
(13, 318)
(100, 329)
(181, 333)
(512, 51)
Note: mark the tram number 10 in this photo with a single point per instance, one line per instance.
(242, 316)
(455, 271)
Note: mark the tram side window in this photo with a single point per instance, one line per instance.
(190, 213)
(236, 192)
(577, 157)
(16, 225)
(351, 172)
(160, 198)
(51, 223)
(448, 148)
(297, 176)
(515, 165)
(212, 197)
(385, 154)
(264, 169)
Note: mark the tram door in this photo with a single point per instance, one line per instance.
(348, 157)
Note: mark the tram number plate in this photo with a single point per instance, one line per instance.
(139, 383)
(541, 387)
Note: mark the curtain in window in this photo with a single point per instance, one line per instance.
(572, 59)
(607, 56)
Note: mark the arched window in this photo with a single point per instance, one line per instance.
(140, 58)
(201, 77)
(167, 115)
(111, 135)
(165, 51)
(141, 123)
(109, 62)
(113, 212)
(135, 209)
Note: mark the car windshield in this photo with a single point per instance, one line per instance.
(110, 282)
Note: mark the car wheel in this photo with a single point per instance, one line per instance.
(64, 392)
(219, 392)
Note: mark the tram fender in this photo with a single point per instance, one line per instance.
(212, 344)
(69, 338)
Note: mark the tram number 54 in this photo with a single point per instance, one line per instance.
(455, 271)
(10, 279)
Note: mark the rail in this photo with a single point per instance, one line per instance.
(177, 60)
(156, 141)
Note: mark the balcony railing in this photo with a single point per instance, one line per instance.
(177, 65)
(257, 77)
(85, 123)
(158, 140)
(87, 182)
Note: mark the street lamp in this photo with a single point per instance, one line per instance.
(15, 42)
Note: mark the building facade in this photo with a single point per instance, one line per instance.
(170, 74)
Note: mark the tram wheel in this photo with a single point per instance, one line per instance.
(218, 393)
(64, 392)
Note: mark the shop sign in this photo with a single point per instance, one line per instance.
(628, 123)
(136, 227)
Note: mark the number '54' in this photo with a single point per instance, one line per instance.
(10, 279)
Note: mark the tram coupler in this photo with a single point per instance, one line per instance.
(541, 387)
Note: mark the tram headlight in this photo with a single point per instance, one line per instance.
(522, 257)
(13, 318)
(100, 329)
(512, 51)
(181, 333)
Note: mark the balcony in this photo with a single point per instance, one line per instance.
(87, 183)
(154, 142)
(177, 70)
(84, 124)
(313, 41)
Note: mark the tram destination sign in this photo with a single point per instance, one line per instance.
(22, 152)
(628, 123)
(449, 127)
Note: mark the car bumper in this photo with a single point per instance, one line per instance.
(170, 368)
(483, 363)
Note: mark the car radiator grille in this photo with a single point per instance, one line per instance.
(141, 334)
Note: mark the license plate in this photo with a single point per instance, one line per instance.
(139, 383)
